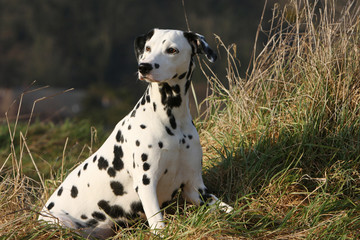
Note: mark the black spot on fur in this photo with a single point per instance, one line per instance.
(190, 137)
(161, 145)
(60, 191)
(114, 211)
(111, 171)
(182, 75)
(133, 113)
(92, 223)
(85, 166)
(169, 95)
(144, 157)
(135, 209)
(187, 85)
(172, 122)
(104, 205)
(129, 127)
(143, 100)
(183, 141)
(187, 146)
(117, 188)
(74, 192)
(79, 173)
(94, 159)
(136, 189)
(79, 225)
(133, 164)
(149, 146)
(137, 105)
(142, 126)
(118, 154)
(99, 216)
(146, 180)
(165, 171)
(154, 105)
(102, 163)
(175, 76)
(50, 206)
(148, 98)
(156, 65)
(176, 88)
(137, 143)
(83, 216)
(169, 131)
(146, 166)
(182, 186)
(119, 137)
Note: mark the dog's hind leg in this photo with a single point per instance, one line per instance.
(199, 195)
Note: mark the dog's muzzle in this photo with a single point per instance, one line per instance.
(145, 68)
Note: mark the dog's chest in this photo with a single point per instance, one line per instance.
(164, 145)
(152, 129)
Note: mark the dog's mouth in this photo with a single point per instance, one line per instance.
(147, 78)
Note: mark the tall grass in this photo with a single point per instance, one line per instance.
(281, 145)
(286, 137)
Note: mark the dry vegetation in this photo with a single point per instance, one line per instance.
(281, 145)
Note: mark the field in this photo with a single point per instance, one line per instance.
(281, 145)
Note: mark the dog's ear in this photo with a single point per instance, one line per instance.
(140, 41)
(199, 45)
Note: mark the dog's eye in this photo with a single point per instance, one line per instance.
(148, 49)
(172, 51)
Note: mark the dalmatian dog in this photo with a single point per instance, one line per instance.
(151, 154)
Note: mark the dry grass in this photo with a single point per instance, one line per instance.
(281, 145)
(287, 134)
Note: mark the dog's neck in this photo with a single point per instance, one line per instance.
(172, 97)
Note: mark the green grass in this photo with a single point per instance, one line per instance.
(47, 142)
(281, 145)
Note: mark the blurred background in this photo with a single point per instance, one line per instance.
(88, 45)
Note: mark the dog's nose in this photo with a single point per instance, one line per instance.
(145, 68)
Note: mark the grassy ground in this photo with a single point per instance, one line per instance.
(281, 145)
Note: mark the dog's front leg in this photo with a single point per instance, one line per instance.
(150, 203)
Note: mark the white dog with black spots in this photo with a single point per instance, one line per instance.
(151, 154)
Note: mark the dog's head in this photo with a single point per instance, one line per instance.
(166, 54)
